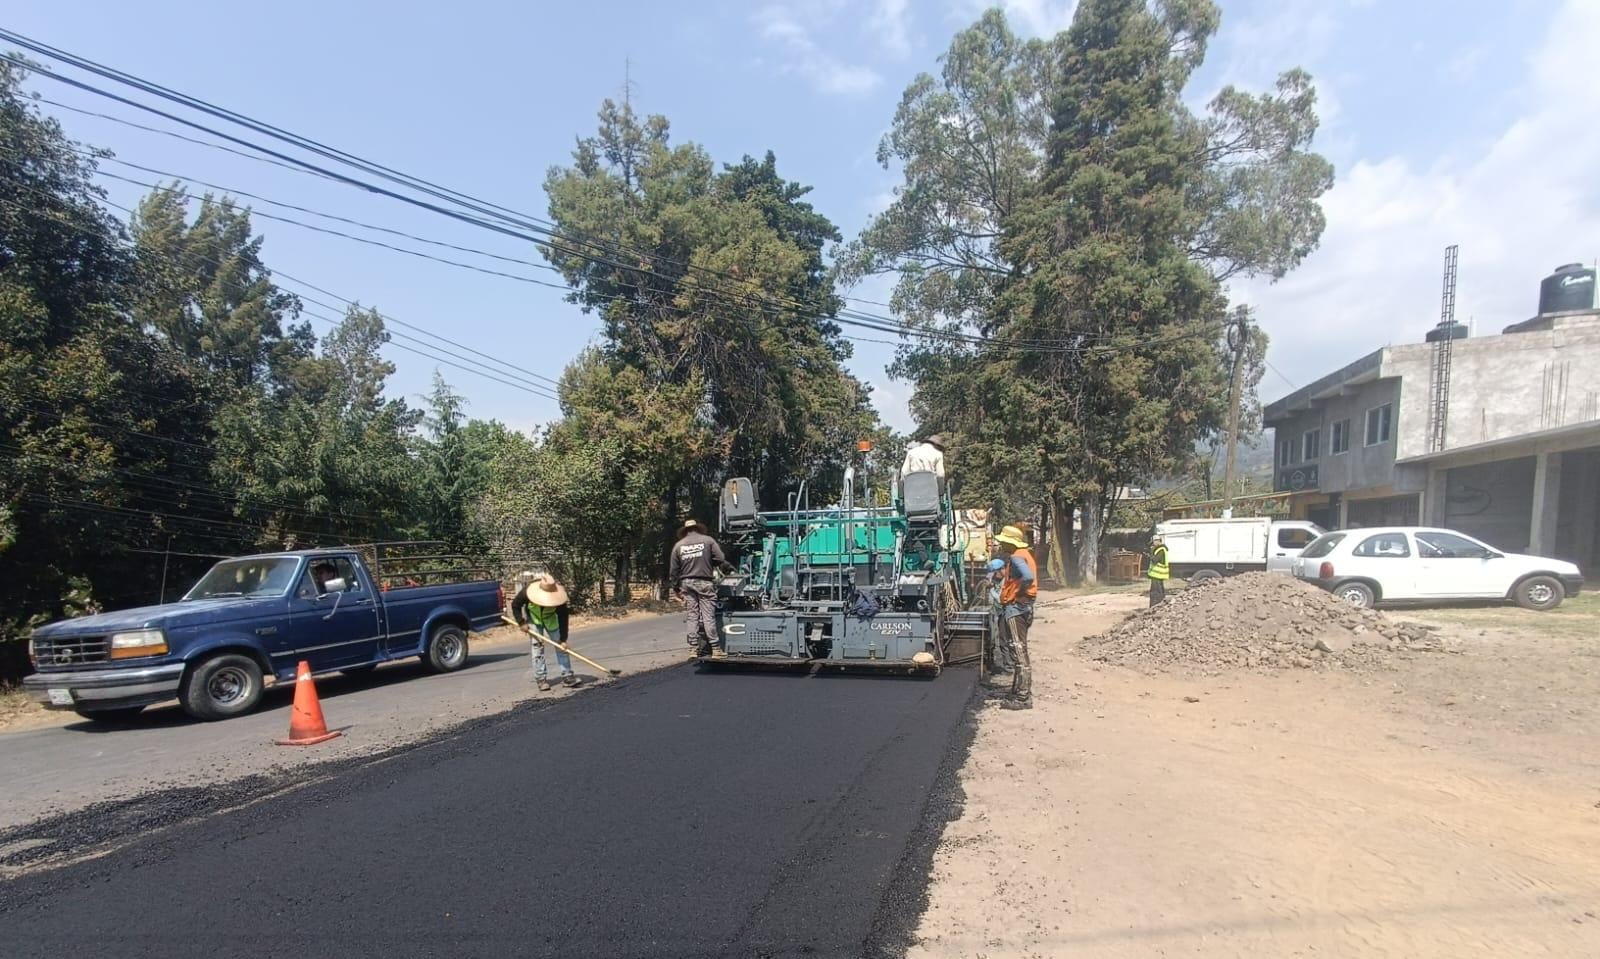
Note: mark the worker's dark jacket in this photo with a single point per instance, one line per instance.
(696, 556)
(519, 611)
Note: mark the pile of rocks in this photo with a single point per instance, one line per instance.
(1257, 620)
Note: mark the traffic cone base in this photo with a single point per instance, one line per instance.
(306, 725)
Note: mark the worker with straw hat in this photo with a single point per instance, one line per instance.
(541, 607)
(1018, 589)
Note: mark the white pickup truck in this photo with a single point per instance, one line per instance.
(1202, 549)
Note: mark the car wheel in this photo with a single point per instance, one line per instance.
(222, 687)
(1202, 576)
(1540, 592)
(120, 714)
(447, 649)
(1356, 594)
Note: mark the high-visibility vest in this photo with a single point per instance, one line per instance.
(1011, 588)
(1158, 563)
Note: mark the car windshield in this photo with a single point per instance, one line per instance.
(1322, 545)
(246, 577)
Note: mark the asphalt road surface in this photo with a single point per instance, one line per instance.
(672, 814)
(63, 767)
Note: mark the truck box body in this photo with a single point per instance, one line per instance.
(1201, 548)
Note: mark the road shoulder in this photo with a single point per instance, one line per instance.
(1262, 813)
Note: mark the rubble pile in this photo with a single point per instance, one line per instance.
(1257, 620)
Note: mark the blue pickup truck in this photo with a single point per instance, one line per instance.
(247, 619)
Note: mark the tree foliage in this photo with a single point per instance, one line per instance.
(1064, 205)
(161, 405)
(719, 355)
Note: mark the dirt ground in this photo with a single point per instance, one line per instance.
(1449, 807)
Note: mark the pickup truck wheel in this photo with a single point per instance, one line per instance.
(1540, 592)
(1201, 576)
(121, 714)
(447, 649)
(222, 687)
(1356, 594)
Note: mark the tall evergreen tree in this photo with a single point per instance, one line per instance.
(204, 288)
(712, 294)
(90, 405)
(1061, 199)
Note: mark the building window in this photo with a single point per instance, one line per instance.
(1380, 424)
(1311, 445)
(1286, 452)
(1340, 441)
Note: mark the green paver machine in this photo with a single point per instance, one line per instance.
(875, 586)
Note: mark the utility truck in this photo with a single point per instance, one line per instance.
(1203, 549)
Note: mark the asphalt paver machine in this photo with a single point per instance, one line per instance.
(855, 584)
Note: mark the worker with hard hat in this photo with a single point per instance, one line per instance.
(692, 571)
(1159, 571)
(542, 608)
(1019, 587)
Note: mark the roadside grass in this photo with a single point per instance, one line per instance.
(12, 700)
(1576, 618)
(17, 711)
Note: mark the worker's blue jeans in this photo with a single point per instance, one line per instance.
(540, 671)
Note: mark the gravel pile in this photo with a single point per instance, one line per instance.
(1257, 620)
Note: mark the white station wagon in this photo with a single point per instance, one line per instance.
(1417, 564)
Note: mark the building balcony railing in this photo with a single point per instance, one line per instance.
(1300, 478)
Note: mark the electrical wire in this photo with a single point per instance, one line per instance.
(881, 324)
(527, 385)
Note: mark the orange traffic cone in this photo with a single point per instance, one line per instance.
(306, 725)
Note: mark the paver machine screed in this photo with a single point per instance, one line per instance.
(866, 586)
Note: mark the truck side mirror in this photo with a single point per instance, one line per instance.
(335, 585)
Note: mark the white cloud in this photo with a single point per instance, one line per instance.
(1518, 204)
(805, 58)
(1257, 48)
(891, 20)
(1465, 64)
(1035, 18)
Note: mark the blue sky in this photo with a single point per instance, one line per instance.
(1469, 123)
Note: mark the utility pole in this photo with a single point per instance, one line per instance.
(1238, 339)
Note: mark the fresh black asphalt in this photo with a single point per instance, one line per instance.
(674, 814)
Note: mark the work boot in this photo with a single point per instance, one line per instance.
(569, 680)
(693, 653)
(1017, 702)
(717, 652)
(544, 685)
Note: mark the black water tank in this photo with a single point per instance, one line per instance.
(1570, 287)
(1454, 331)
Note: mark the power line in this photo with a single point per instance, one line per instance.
(85, 505)
(1292, 384)
(527, 385)
(536, 390)
(1078, 343)
(200, 488)
(881, 324)
(174, 134)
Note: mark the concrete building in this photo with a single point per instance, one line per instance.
(1520, 463)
